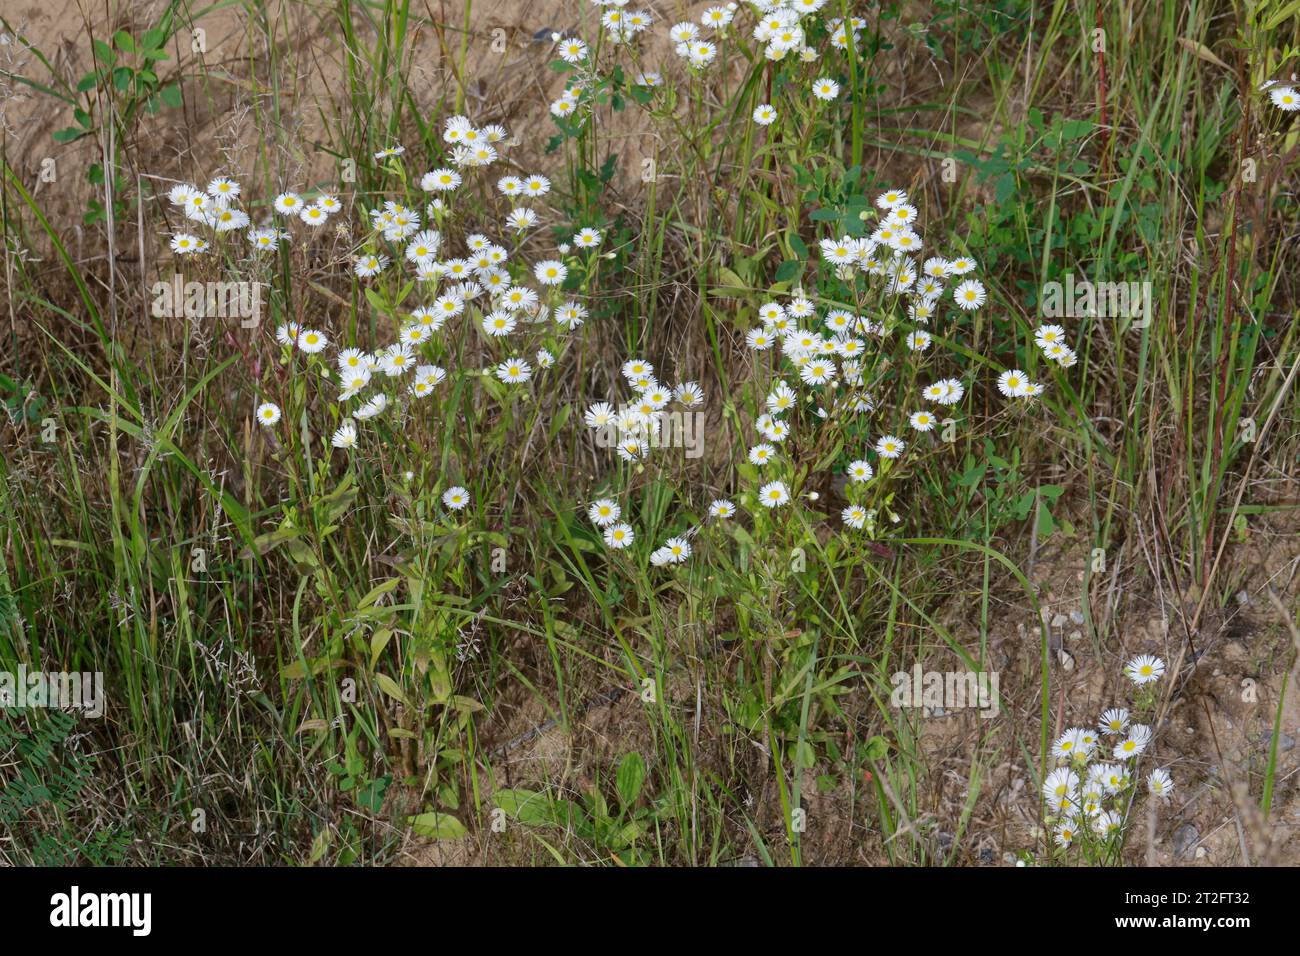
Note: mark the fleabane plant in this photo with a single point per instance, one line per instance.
(443, 283)
(858, 359)
(1090, 794)
(463, 311)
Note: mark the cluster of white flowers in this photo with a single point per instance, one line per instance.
(1050, 339)
(622, 25)
(1092, 774)
(781, 26)
(820, 355)
(819, 348)
(885, 256)
(216, 208)
(635, 427)
(502, 297)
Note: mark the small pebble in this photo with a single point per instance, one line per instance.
(1185, 837)
(1285, 742)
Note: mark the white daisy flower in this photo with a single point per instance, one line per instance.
(1144, 669)
(345, 436)
(603, 512)
(860, 471)
(619, 536)
(721, 508)
(514, 371)
(969, 294)
(1160, 784)
(773, 494)
(888, 446)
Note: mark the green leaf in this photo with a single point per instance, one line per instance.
(630, 778)
(877, 748)
(1046, 523)
(829, 458)
(171, 95)
(1076, 129)
(370, 796)
(559, 421)
(526, 806)
(1051, 492)
(805, 758)
(1281, 14)
(438, 826)
(788, 270)
(378, 591)
(378, 641)
(268, 541)
(733, 285)
(391, 688)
